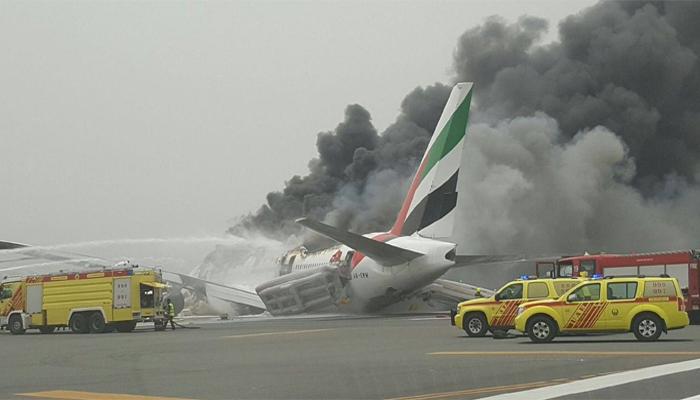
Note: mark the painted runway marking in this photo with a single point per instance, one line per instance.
(601, 382)
(567, 353)
(697, 397)
(466, 392)
(249, 335)
(74, 395)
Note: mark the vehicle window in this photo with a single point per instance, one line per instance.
(622, 290)
(545, 270)
(566, 270)
(5, 293)
(562, 287)
(589, 292)
(537, 290)
(659, 288)
(147, 296)
(587, 266)
(510, 292)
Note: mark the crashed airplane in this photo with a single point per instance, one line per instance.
(362, 273)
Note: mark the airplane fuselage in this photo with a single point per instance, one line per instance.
(370, 286)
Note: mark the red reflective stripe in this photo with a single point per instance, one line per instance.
(401, 218)
(595, 315)
(574, 316)
(590, 309)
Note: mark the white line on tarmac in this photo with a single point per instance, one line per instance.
(600, 382)
(248, 335)
(696, 397)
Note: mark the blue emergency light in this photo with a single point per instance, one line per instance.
(597, 276)
(524, 277)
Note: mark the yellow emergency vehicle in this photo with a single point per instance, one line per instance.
(88, 301)
(646, 306)
(498, 312)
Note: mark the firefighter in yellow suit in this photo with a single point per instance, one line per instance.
(170, 313)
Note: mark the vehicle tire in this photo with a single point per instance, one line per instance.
(647, 327)
(125, 327)
(47, 329)
(97, 323)
(541, 329)
(475, 324)
(15, 324)
(79, 323)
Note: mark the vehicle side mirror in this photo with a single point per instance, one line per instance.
(572, 297)
(497, 297)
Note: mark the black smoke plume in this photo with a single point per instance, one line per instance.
(588, 143)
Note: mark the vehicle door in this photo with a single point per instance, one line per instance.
(508, 298)
(620, 301)
(583, 308)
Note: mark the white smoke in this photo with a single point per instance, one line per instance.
(526, 188)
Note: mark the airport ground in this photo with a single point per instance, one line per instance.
(409, 358)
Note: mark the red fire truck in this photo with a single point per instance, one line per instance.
(682, 265)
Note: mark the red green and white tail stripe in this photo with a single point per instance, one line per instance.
(429, 206)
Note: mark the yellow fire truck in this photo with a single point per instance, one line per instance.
(87, 301)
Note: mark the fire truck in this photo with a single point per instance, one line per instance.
(87, 301)
(682, 265)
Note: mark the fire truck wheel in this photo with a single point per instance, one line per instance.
(97, 323)
(79, 323)
(541, 329)
(475, 324)
(47, 329)
(125, 327)
(15, 324)
(647, 327)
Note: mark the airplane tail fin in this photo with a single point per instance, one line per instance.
(430, 204)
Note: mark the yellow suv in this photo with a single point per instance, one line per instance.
(644, 305)
(498, 312)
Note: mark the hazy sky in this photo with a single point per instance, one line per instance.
(133, 119)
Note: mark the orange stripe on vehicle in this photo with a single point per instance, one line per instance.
(591, 316)
(598, 314)
(590, 311)
(577, 315)
(506, 313)
(585, 309)
(595, 315)
(497, 315)
(572, 318)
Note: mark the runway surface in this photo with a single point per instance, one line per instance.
(409, 358)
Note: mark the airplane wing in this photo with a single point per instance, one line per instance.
(439, 296)
(452, 292)
(225, 293)
(481, 259)
(383, 253)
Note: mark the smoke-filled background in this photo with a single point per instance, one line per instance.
(589, 143)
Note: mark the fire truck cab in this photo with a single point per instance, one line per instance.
(682, 265)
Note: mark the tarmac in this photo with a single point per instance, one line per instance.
(334, 357)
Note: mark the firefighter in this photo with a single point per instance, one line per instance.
(170, 314)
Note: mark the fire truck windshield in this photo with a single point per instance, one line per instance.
(565, 268)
